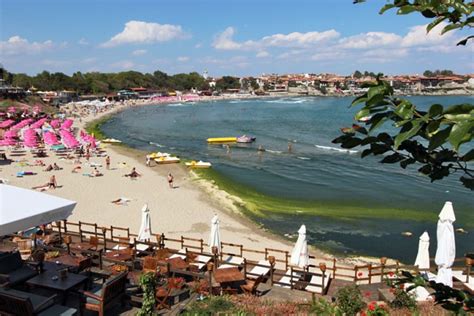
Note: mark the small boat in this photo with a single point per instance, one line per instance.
(245, 139)
(166, 159)
(158, 155)
(217, 140)
(111, 141)
(198, 164)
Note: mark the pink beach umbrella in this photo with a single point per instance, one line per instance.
(11, 133)
(7, 123)
(11, 109)
(38, 123)
(54, 123)
(50, 139)
(67, 124)
(7, 142)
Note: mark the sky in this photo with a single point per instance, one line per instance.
(226, 37)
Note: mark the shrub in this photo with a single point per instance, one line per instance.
(403, 300)
(324, 307)
(349, 300)
(211, 306)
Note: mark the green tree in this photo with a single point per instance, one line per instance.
(228, 82)
(357, 74)
(428, 73)
(434, 139)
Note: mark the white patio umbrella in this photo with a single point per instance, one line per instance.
(21, 209)
(446, 250)
(215, 237)
(300, 254)
(423, 256)
(145, 227)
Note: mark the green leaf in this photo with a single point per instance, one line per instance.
(464, 41)
(375, 91)
(459, 109)
(426, 169)
(359, 99)
(385, 138)
(368, 140)
(393, 158)
(362, 113)
(378, 149)
(351, 143)
(405, 110)
(408, 131)
(433, 24)
(467, 182)
(386, 7)
(450, 27)
(432, 127)
(459, 132)
(406, 9)
(366, 152)
(435, 110)
(439, 138)
(469, 156)
(406, 162)
(377, 120)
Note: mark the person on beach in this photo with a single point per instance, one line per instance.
(56, 167)
(133, 174)
(260, 148)
(170, 180)
(290, 147)
(49, 168)
(107, 162)
(97, 173)
(148, 160)
(52, 184)
(76, 169)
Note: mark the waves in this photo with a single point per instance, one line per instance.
(288, 101)
(156, 144)
(341, 150)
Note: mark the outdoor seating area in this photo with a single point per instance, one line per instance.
(91, 268)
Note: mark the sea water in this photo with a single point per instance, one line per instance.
(315, 170)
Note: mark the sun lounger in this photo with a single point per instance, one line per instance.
(263, 268)
(318, 280)
(461, 276)
(287, 279)
(232, 262)
(201, 261)
(181, 254)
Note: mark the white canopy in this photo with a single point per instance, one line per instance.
(21, 209)
(145, 228)
(300, 254)
(215, 237)
(423, 256)
(446, 250)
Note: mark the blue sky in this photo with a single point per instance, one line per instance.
(224, 37)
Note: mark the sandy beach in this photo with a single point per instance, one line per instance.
(185, 210)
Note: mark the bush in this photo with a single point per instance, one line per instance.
(324, 307)
(349, 300)
(211, 306)
(403, 300)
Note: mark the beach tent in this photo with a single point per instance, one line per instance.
(300, 254)
(215, 237)
(21, 209)
(446, 249)
(423, 256)
(145, 228)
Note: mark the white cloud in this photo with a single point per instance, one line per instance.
(146, 32)
(16, 45)
(83, 41)
(123, 65)
(139, 52)
(262, 54)
(198, 45)
(417, 36)
(183, 59)
(225, 41)
(369, 40)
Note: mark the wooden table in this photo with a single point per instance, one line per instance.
(119, 255)
(48, 280)
(83, 246)
(177, 263)
(68, 261)
(227, 275)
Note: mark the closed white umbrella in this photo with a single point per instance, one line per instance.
(145, 227)
(446, 250)
(423, 256)
(215, 237)
(300, 254)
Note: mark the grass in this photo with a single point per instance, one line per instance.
(93, 127)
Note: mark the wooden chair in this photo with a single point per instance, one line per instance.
(24, 247)
(13, 302)
(250, 286)
(107, 296)
(150, 264)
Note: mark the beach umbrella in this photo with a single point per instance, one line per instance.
(55, 123)
(423, 256)
(7, 123)
(67, 124)
(10, 133)
(446, 249)
(145, 228)
(215, 237)
(11, 109)
(300, 254)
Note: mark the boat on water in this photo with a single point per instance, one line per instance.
(111, 141)
(158, 155)
(220, 140)
(166, 160)
(246, 139)
(198, 164)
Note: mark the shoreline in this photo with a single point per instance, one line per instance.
(214, 195)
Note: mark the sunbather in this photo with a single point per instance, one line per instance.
(133, 174)
(121, 201)
(76, 169)
(97, 173)
(52, 184)
(49, 168)
(56, 167)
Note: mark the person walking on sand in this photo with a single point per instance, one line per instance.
(107, 162)
(148, 160)
(170, 180)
